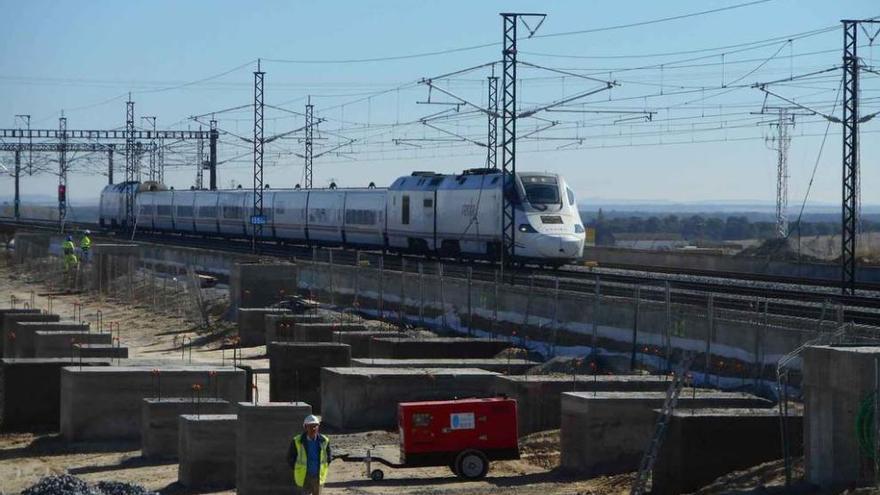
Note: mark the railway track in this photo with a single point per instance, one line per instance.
(762, 294)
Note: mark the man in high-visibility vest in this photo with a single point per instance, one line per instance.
(85, 246)
(309, 456)
(69, 250)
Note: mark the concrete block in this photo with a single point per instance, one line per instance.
(24, 343)
(30, 391)
(105, 403)
(607, 432)
(159, 421)
(367, 398)
(435, 348)
(703, 444)
(322, 332)
(207, 450)
(503, 366)
(362, 342)
(10, 311)
(61, 343)
(295, 369)
(263, 434)
(538, 397)
(257, 285)
(100, 351)
(252, 327)
(10, 334)
(279, 327)
(836, 382)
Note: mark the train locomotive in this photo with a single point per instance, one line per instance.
(425, 212)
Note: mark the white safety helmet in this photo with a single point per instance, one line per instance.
(88, 232)
(311, 419)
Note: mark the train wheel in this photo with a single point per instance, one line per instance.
(472, 464)
(377, 475)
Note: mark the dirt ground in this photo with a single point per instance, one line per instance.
(26, 457)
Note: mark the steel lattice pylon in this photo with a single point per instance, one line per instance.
(782, 146)
(258, 156)
(492, 141)
(850, 154)
(62, 169)
(508, 140)
(508, 132)
(130, 163)
(200, 163)
(309, 130)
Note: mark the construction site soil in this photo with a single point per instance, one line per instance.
(26, 458)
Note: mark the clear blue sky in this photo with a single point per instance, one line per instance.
(84, 57)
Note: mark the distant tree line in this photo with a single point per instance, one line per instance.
(708, 228)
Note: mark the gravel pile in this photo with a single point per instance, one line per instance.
(66, 484)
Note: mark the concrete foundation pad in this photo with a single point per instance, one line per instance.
(279, 327)
(322, 332)
(61, 343)
(836, 382)
(436, 348)
(207, 450)
(100, 351)
(10, 330)
(263, 435)
(367, 398)
(30, 391)
(538, 397)
(295, 369)
(105, 403)
(10, 311)
(24, 343)
(511, 367)
(607, 432)
(690, 457)
(159, 421)
(362, 342)
(251, 324)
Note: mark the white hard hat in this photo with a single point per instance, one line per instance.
(88, 232)
(311, 419)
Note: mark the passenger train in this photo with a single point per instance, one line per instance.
(426, 212)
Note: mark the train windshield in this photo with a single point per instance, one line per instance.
(541, 190)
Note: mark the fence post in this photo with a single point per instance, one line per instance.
(668, 300)
(710, 331)
(470, 314)
(635, 335)
(597, 304)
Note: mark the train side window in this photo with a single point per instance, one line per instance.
(428, 202)
(163, 210)
(405, 210)
(185, 211)
(570, 196)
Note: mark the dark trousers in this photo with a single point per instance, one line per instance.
(311, 486)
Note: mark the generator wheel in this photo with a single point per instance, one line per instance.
(471, 464)
(377, 475)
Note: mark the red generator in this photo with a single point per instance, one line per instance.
(462, 434)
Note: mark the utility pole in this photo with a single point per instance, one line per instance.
(62, 169)
(130, 163)
(152, 172)
(492, 140)
(200, 163)
(781, 144)
(850, 213)
(257, 218)
(508, 130)
(27, 119)
(310, 122)
(212, 155)
(17, 203)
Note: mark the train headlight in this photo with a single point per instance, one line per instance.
(578, 228)
(524, 227)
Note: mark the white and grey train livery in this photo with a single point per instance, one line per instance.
(426, 212)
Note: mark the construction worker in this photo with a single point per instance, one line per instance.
(69, 250)
(309, 457)
(85, 246)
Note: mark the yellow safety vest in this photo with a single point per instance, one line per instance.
(86, 243)
(67, 247)
(301, 466)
